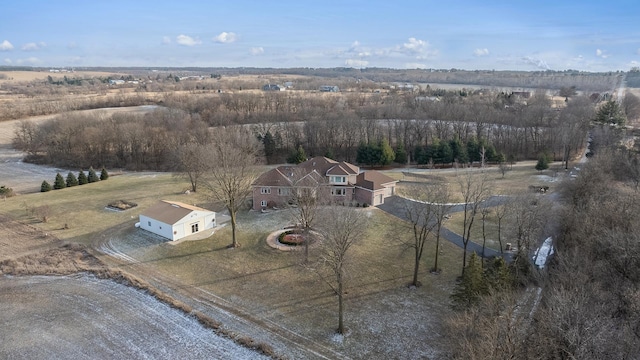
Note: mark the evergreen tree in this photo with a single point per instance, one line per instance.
(92, 177)
(420, 155)
(387, 155)
(471, 285)
(401, 154)
(329, 154)
(543, 163)
(45, 186)
(82, 178)
(498, 276)
(59, 182)
(104, 175)
(297, 156)
(444, 153)
(458, 151)
(71, 180)
(611, 113)
(269, 144)
(366, 154)
(473, 150)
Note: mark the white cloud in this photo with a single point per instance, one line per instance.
(601, 54)
(419, 48)
(187, 40)
(72, 45)
(6, 46)
(539, 63)
(8, 61)
(257, 50)
(415, 45)
(33, 46)
(481, 52)
(226, 37)
(166, 40)
(356, 63)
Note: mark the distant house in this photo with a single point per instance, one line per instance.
(273, 87)
(116, 82)
(346, 182)
(329, 88)
(174, 220)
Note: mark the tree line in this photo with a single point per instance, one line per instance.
(71, 180)
(583, 304)
(454, 128)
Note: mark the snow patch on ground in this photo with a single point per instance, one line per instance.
(81, 317)
(543, 253)
(546, 178)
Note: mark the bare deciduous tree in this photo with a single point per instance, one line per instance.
(308, 193)
(424, 215)
(495, 329)
(234, 154)
(500, 212)
(474, 189)
(193, 161)
(341, 227)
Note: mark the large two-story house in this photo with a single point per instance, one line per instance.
(343, 181)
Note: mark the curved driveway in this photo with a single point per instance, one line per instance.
(396, 205)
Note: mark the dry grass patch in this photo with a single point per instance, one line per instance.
(516, 180)
(19, 76)
(82, 208)
(273, 284)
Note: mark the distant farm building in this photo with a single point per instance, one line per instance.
(116, 82)
(329, 88)
(174, 220)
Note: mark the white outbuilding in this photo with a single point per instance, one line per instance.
(174, 220)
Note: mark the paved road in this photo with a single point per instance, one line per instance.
(396, 205)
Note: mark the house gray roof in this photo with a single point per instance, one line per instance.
(169, 212)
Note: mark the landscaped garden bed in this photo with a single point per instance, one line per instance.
(121, 205)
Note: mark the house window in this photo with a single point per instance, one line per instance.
(283, 191)
(194, 228)
(149, 223)
(265, 190)
(338, 179)
(263, 203)
(339, 192)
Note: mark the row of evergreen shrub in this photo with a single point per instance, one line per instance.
(61, 183)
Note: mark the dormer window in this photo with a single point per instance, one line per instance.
(338, 179)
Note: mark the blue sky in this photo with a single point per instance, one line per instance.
(502, 35)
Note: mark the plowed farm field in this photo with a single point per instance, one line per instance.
(82, 317)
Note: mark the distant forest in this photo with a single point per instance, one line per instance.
(547, 79)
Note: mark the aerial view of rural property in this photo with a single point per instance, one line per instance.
(319, 180)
